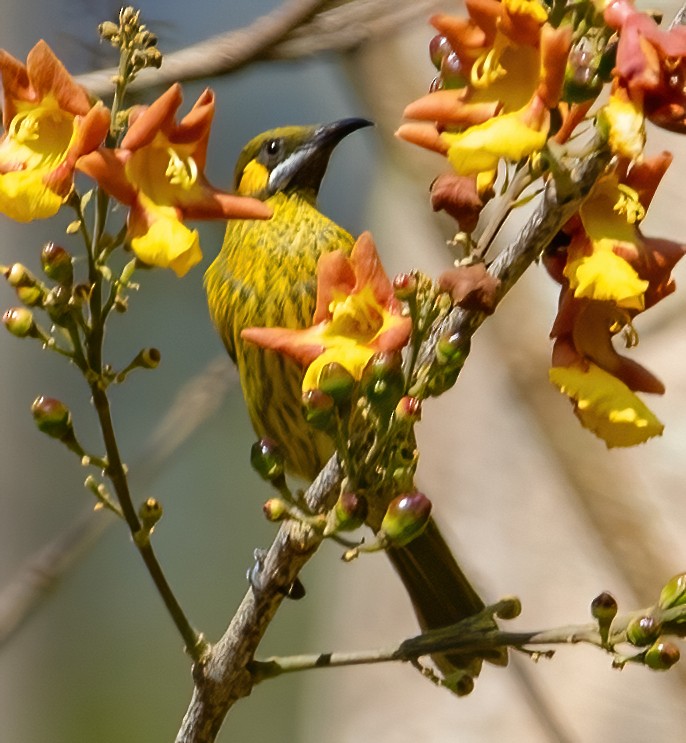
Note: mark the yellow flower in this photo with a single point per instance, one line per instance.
(625, 125)
(605, 276)
(158, 172)
(512, 64)
(606, 406)
(49, 123)
(479, 148)
(357, 316)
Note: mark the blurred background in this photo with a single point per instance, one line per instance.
(534, 505)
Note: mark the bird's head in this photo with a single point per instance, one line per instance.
(290, 158)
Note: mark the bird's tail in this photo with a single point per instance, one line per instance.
(441, 595)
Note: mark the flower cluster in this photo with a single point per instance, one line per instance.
(610, 272)
(516, 74)
(53, 128)
(357, 316)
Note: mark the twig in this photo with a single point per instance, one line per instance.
(195, 402)
(296, 29)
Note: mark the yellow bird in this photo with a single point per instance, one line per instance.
(265, 275)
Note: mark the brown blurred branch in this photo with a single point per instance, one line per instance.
(296, 29)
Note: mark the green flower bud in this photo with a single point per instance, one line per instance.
(19, 321)
(28, 288)
(452, 350)
(581, 81)
(509, 608)
(604, 608)
(275, 509)
(150, 513)
(348, 513)
(337, 382)
(57, 303)
(409, 409)
(267, 460)
(52, 417)
(673, 592)
(643, 630)
(382, 381)
(405, 286)
(318, 409)
(57, 263)
(662, 655)
(405, 518)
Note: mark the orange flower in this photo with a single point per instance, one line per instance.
(501, 71)
(651, 64)
(610, 272)
(158, 172)
(357, 316)
(49, 123)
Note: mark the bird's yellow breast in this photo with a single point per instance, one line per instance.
(265, 276)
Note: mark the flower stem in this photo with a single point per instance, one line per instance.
(196, 646)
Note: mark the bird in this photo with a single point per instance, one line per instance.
(265, 276)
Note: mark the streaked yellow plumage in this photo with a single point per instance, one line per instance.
(265, 276)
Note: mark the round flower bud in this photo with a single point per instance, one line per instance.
(19, 321)
(673, 592)
(382, 380)
(509, 608)
(405, 518)
(275, 509)
(439, 48)
(452, 72)
(452, 350)
(405, 286)
(57, 264)
(409, 409)
(348, 513)
(318, 409)
(267, 460)
(337, 382)
(662, 655)
(643, 630)
(52, 417)
(604, 607)
(150, 513)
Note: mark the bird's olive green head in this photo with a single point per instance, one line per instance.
(291, 158)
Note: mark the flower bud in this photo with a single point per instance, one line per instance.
(19, 321)
(57, 303)
(57, 263)
(452, 350)
(275, 509)
(108, 31)
(405, 518)
(509, 608)
(604, 608)
(405, 286)
(382, 380)
(662, 655)
(643, 630)
(28, 288)
(673, 592)
(581, 80)
(348, 513)
(337, 382)
(439, 48)
(267, 460)
(147, 358)
(150, 513)
(452, 72)
(318, 409)
(52, 417)
(409, 409)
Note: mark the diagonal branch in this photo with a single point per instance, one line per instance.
(224, 677)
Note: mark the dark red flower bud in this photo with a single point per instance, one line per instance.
(52, 417)
(57, 264)
(405, 518)
(267, 459)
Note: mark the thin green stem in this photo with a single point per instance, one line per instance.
(195, 644)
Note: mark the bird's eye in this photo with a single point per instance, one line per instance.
(273, 147)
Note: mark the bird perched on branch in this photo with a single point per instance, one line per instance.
(265, 276)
